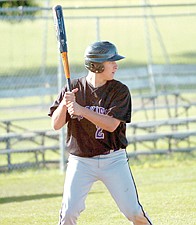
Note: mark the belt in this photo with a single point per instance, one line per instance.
(109, 151)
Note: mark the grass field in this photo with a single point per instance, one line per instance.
(166, 185)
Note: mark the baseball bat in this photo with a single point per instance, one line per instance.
(62, 41)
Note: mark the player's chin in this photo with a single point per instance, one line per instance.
(112, 76)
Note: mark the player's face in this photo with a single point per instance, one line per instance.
(109, 70)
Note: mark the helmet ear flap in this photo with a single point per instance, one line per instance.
(94, 67)
(97, 67)
(101, 68)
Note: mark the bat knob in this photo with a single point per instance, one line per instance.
(74, 117)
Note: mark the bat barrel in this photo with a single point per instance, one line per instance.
(60, 28)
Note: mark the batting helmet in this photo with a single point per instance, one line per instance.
(100, 52)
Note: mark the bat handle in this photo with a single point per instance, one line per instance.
(69, 89)
(65, 64)
(67, 75)
(69, 85)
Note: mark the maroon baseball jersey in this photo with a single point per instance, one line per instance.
(83, 137)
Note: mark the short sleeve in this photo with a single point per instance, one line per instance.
(56, 103)
(121, 105)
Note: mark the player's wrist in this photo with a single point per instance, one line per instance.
(83, 111)
(63, 105)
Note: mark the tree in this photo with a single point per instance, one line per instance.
(15, 4)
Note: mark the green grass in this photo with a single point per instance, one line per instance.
(166, 187)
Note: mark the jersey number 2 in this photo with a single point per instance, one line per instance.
(99, 133)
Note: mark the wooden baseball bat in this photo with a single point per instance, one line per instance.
(62, 41)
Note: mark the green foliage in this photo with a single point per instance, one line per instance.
(19, 4)
(7, 4)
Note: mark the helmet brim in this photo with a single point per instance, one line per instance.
(116, 58)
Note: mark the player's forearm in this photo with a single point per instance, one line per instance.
(103, 121)
(59, 117)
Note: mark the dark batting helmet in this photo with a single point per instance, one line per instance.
(100, 52)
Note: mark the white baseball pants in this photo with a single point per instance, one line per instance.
(114, 171)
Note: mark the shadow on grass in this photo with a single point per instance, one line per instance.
(27, 198)
(32, 197)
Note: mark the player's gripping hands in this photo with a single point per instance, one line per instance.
(74, 109)
(59, 115)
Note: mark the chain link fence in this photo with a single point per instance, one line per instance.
(154, 38)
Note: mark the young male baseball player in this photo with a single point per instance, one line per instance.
(96, 139)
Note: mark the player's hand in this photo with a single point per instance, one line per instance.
(70, 100)
(74, 109)
(70, 96)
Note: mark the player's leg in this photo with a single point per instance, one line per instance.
(78, 181)
(119, 181)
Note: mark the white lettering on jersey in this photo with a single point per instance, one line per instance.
(99, 132)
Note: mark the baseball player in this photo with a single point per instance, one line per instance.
(96, 138)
